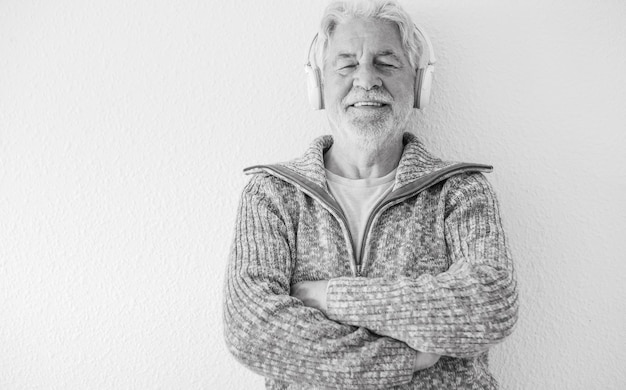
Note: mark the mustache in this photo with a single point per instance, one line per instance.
(378, 94)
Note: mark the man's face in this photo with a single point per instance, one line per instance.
(368, 81)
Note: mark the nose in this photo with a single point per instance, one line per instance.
(366, 77)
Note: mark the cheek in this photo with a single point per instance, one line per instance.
(402, 89)
(335, 88)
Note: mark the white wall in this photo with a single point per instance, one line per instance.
(124, 127)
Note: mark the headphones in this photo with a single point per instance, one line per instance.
(423, 77)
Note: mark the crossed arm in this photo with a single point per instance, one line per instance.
(313, 294)
(364, 340)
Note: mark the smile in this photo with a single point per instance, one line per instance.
(370, 104)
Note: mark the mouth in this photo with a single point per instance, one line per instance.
(368, 104)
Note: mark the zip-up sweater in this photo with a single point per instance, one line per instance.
(435, 276)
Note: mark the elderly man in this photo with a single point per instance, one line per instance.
(368, 263)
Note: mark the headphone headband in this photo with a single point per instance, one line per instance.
(308, 57)
(429, 45)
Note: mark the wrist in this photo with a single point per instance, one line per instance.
(425, 360)
(328, 296)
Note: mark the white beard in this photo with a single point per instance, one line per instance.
(373, 132)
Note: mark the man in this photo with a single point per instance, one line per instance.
(368, 263)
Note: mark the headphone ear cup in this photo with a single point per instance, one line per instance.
(418, 87)
(423, 83)
(314, 86)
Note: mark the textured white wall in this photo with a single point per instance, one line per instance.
(124, 127)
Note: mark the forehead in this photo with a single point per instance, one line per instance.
(370, 35)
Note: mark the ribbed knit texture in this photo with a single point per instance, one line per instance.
(437, 278)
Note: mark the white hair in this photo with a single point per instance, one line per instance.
(342, 11)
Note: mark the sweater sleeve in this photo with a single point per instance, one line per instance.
(272, 333)
(461, 312)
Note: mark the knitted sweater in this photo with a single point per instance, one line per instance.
(435, 276)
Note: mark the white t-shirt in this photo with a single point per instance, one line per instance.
(357, 198)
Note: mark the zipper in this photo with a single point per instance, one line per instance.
(318, 193)
(408, 191)
(396, 196)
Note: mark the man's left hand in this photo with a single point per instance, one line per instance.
(311, 293)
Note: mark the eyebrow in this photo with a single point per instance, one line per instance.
(384, 53)
(389, 53)
(344, 55)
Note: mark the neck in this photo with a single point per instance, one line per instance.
(354, 159)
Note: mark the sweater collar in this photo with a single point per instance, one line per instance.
(415, 161)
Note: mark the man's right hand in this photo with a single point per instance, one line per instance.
(425, 360)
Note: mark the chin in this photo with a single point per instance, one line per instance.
(376, 126)
(379, 128)
(372, 135)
